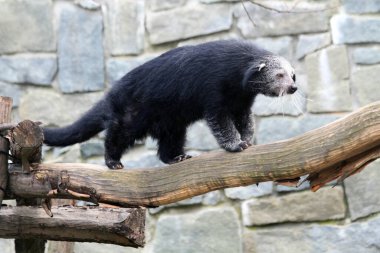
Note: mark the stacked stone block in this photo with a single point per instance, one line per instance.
(58, 57)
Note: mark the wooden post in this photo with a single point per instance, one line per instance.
(26, 141)
(5, 117)
(121, 226)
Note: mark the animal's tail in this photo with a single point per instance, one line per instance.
(83, 129)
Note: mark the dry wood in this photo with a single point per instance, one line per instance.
(5, 117)
(342, 142)
(122, 226)
(26, 143)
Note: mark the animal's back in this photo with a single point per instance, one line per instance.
(182, 81)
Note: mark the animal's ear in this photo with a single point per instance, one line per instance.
(251, 71)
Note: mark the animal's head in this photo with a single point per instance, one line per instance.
(272, 76)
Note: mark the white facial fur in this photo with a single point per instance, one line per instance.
(280, 76)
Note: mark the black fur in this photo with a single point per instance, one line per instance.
(213, 81)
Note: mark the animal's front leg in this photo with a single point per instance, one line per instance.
(245, 124)
(225, 132)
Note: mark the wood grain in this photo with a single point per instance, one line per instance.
(122, 226)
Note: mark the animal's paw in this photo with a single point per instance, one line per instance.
(248, 139)
(114, 165)
(237, 147)
(179, 158)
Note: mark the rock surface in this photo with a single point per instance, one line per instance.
(365, 82)
(325, 204)
(328, 78)
(195, 20)
(273, 128)
(39, 70)
(351, 29)
(361, 191)
(209, 230)
(50, 107)
(80, 50)
(125, 26)
(34, 19)
(310, 43)
(367, 55)
(272, 23)
(247, 192)
(352, 238)
(363, 6)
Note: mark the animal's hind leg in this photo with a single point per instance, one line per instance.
(118, 139)
(170, 146)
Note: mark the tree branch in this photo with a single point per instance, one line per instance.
(332, 147)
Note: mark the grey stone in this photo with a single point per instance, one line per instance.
(26, 26)
(293, 105)
(351, 238)
(7, 245)
(310, 22)
(208, 230)
(212, 198)
(325, 204)
(305, 185)
(280, 45)
(80, 247)
(247, 192)
(361, 191)
(88, 4)
(199, 137)
(11, 90)
(80, 50)
(38, 70)
(147, 161)
(279, 128)
(91, 148)
(362, 6)
(349, 29)
(117, 68)
(159, 5)
(209, 38)
(70, 154)
(217, 1)
(151, 143)
(125, 26)
(365, 83)
(208, 199)
(328, 71)
(52, 108)
(195, 20)
(310, 43)
(367, 55)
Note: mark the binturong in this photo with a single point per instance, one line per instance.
(216, 81)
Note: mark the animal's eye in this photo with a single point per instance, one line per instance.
(294, 77)
(280, 75)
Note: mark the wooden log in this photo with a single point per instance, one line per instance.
(5, 118)
(26, 147)
(26, 141)
(122, 226)
(341, 142)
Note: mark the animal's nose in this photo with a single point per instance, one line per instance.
(292, 89)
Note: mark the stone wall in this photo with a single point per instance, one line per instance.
(58, 57)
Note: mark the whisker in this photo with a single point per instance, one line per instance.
(294, 102)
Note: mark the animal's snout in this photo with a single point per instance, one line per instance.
(292, 89)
